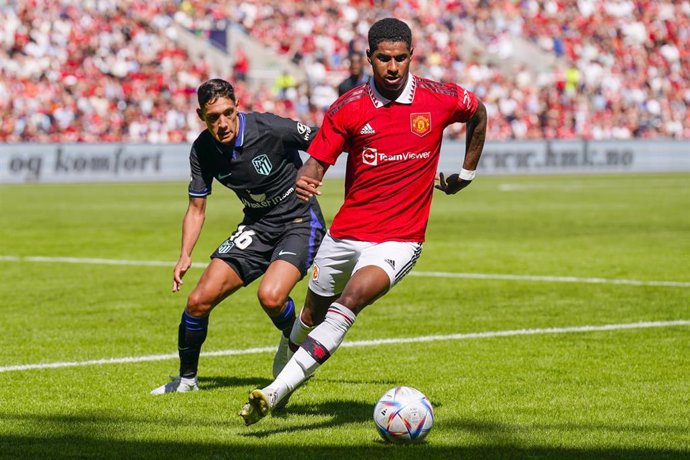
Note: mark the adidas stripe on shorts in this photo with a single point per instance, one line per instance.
(337, 260)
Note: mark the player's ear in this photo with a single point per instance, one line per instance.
(200, 114)
(369, 56)
(411, 51)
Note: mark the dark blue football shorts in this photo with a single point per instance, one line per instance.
(255, 245)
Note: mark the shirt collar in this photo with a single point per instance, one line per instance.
(239, 138)
(406, 97)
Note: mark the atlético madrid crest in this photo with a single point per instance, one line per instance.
(262, 165)
(420, 123)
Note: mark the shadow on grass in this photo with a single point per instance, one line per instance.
(215, 382)
(340, 413)
(94, 435)
(82, 446)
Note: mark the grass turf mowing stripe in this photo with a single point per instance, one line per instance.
(481, 276)
(361, 343)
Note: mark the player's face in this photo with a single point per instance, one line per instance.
(220, 116)
(390, 64)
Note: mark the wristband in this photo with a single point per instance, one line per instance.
(466, 174)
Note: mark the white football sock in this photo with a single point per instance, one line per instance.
(299, 332)
(321, 343)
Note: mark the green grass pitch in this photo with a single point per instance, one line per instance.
(621, 393)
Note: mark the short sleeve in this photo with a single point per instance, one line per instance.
(329, 141)
(466, 107)
(200, 183)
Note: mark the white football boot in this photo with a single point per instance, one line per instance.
(177, 385)
(282, 356)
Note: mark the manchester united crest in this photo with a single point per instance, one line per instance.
(420, 123)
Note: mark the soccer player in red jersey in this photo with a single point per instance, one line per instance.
(392, 128)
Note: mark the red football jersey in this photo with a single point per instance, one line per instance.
(393, 151)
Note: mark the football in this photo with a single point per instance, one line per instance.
(403, 415)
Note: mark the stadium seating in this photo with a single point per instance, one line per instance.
(114, 71)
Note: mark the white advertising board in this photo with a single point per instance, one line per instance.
(93, 162)
(20, 163)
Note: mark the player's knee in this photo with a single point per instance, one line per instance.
(198, 305)
(367, 285)
(353, 301)
(271, 299)
(315, 308)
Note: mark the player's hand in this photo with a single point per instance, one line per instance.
(179, 271)
(307, 187)
(452, 185)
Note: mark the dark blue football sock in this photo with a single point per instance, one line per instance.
(286, 318)
(191, 335)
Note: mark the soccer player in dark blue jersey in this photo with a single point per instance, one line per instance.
(256, 155)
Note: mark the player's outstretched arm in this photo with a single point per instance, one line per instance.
(191, 229)
(309, 178)
(474, 145)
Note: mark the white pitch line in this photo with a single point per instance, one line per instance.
(550, 279)
(482, 276)
(360, 343)
(89, 261)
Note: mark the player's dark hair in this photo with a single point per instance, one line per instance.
(389, 30)
(212, 89)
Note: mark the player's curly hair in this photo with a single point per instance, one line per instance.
(389, 30)
(212, 89)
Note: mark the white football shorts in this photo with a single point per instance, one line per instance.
(336, 261)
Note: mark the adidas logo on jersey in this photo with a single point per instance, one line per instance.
(391, 263)
(367, 129)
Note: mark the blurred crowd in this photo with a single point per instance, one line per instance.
(99, 70)
(109, 70)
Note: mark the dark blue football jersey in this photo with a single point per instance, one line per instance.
(261, 168)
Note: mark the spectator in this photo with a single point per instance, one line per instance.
(240, 67)
(357, 75)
